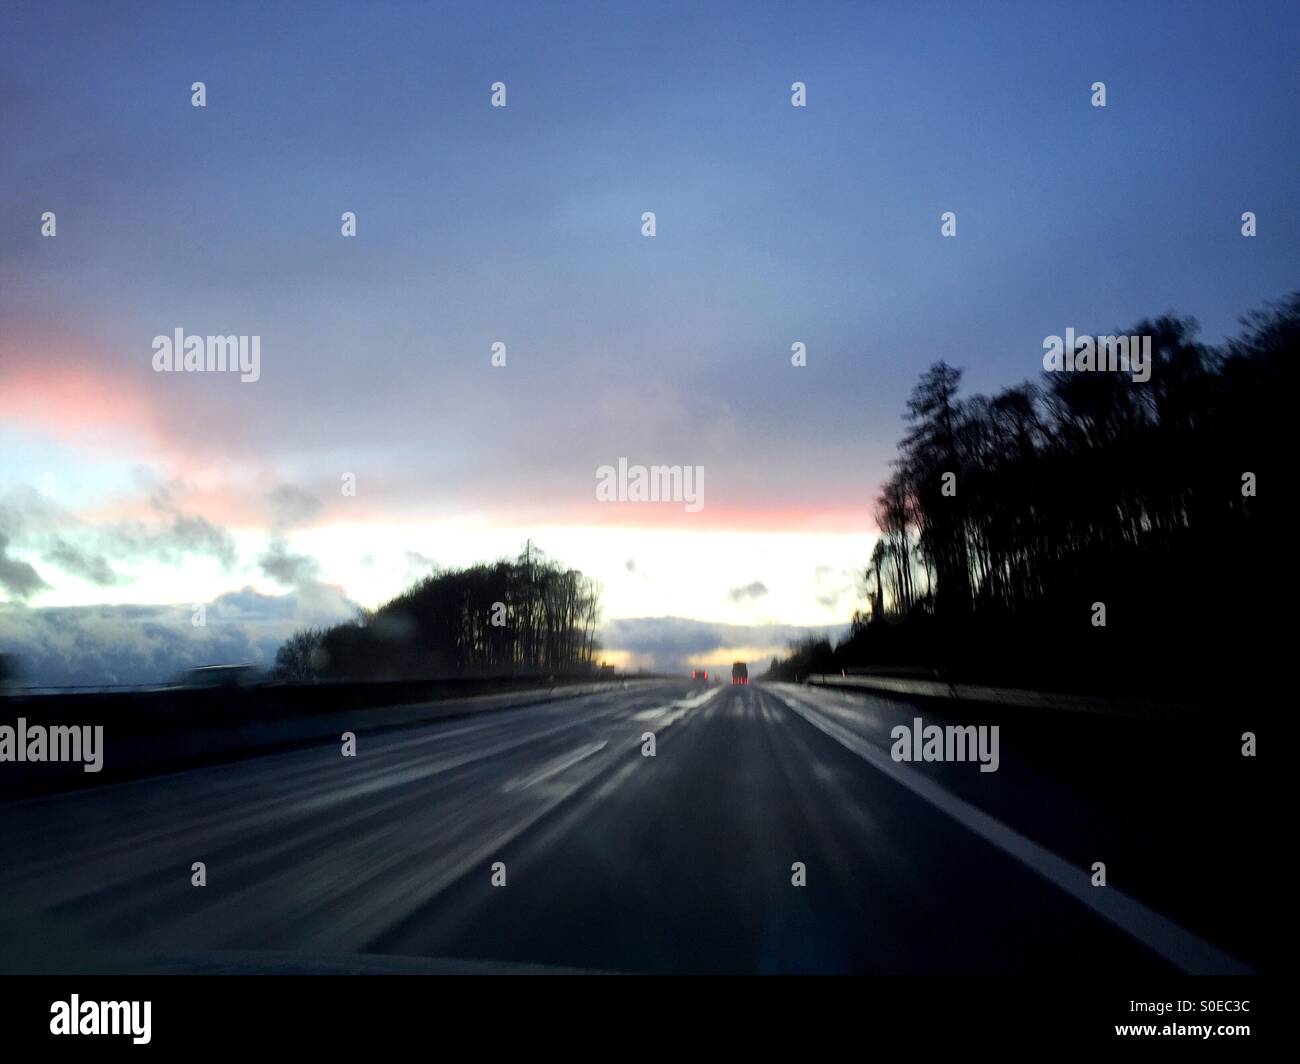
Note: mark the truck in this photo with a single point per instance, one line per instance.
(740, 673)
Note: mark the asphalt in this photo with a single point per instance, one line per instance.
(613, 861)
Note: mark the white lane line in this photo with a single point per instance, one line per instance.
(675, 711)
(1175, 944)
(695, 701)
(554, 768)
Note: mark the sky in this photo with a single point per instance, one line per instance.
(130, 497)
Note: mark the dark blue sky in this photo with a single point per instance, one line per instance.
(775, 224)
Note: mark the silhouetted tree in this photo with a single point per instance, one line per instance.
(300, 657)
(523, 616)
(1088, 487)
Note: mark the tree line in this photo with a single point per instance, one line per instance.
(1010, 518)
(529, 615)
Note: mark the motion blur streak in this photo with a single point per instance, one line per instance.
(615, 860)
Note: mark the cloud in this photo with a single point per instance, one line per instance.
(143, 644)
(317, 604)
(294, 570)
(675, 644)
(292, 506)
(830, 585)
(750, 591)
(91, 567)
(24, 512)
(186, 534)
(17, 578)
(87, 551)
(419, 564)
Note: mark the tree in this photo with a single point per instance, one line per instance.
(528, 616)
(928, 453)
(300, 658)
(1091, 486)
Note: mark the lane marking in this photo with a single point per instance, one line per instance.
(1160, 935)
(304, 794)
(675, 711)
(404, 893)
(520, 783)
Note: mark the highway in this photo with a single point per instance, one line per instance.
(615, 861)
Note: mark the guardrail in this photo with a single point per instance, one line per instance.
(1006, 696)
